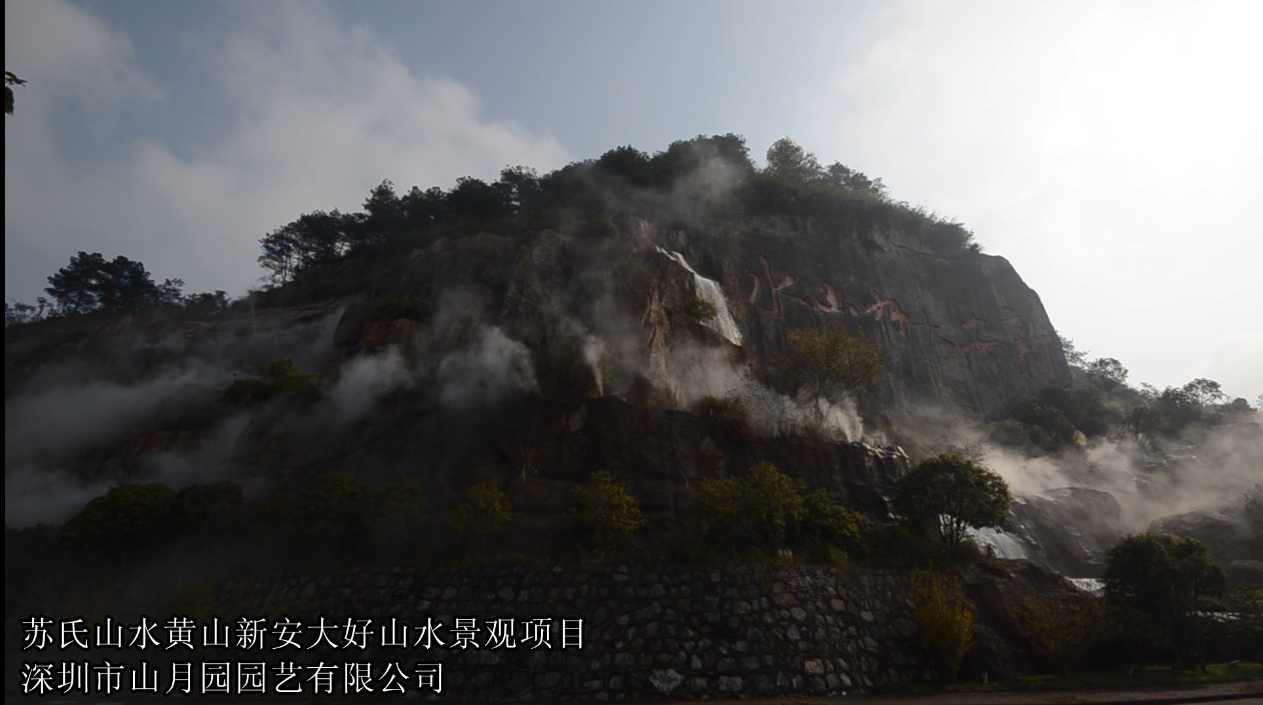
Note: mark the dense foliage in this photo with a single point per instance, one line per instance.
(607, 511)
(768, 510)
(828, 363)
(946, 622)
(948, 494)
(1155, 583)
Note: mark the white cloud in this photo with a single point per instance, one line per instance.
(320, 113)
(1110, 150)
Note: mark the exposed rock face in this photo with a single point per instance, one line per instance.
(1226, 538)
(608, 312)
(964, 329)
(1068, 529)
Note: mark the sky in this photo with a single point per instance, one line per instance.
(1112, 152)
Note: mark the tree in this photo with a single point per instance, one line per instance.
(1074, 356)
(760, 509)
(1107, 372)
(10, 80)
(1204, 392)
(789, 161)
(521, 187)
(476, 199)
(385, 214)
(1161, 579)
(90, 282)
(949, 493)
(313, 239)
(828, 362)
(840, 175)
(627, 163)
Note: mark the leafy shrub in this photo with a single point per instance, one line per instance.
(946, 621)
(485, 510)
(773, 504)
(1154, 583)
(827, 524)
(394, 308)
(1062, 631)
(277, 378)
(701, 310)
(770, 510)
(607, 510)
(949, 493)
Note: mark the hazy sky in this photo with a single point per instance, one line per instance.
(1112, 152)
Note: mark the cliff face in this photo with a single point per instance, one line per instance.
(566, 317)
(964, 329)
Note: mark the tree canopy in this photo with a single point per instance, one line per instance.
(90, 283)
(948, 494)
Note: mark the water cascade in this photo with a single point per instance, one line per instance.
(708, 290)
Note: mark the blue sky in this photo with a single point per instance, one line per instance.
(1110, 152)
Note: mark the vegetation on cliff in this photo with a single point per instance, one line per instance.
(706, 177)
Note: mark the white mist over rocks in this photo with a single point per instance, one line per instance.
(1210, 473)
(492, 368)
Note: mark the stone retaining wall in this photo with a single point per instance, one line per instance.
(681, 632)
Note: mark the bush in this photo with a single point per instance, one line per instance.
(946, 621)
(277, 378)
(826, 524)
(606, 510)
(1062, 631)
(769, 510)
(394, 308)
(486, 510)
(701, 310)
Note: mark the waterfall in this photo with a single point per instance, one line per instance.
(1092, 585)
(708, 290)
(1005, 545)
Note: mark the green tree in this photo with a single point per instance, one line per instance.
(1107, 372)
(1204, 392)
(829, 362)
(948, 494)
(787, 160)
(90, 283)
(946, 621)
(607, 510)
(1161, 579)
(759, 509)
